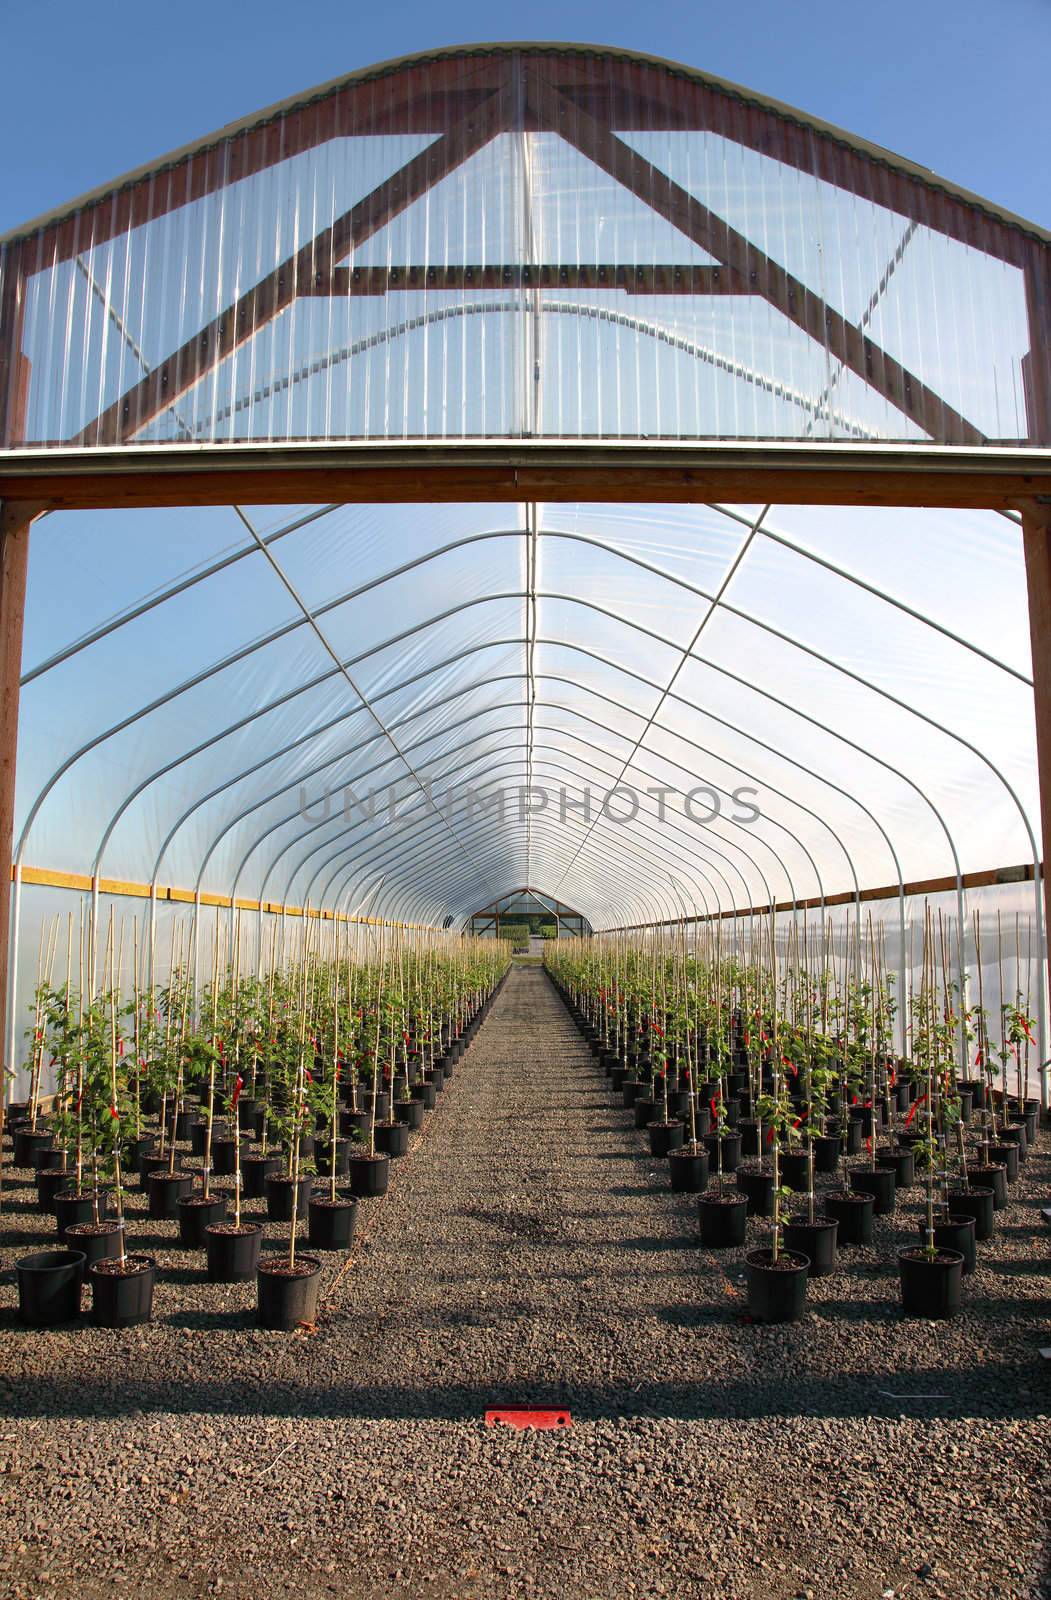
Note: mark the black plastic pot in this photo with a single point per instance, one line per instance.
(758, 1189)
(994, 1178)
(98, 1241)
(51, 1159)
(630, 1090)
(369, 1175)
(853, 1212)
(689, 1169)
(645, 1111)
(184, 1121)
(165, 1191)
(826, 1152)
(731, 1151)
(426, 1094)
(723, 1219)
(49, 1180)
(879, 1183)
(411, 1113)
(664, 1137)
(324, 1165)
(930, 1288)
(752, 1134)
(776, 1293)
(196, 1214)
(73, 1208)
(49, 1287)
(815, 1240)
(254, 1172)
(198, 1137)
(233, 1253)
(392, 1138)
(28, 1145)
(122, 1299)
(1004, 1155)
(854, 1139)
(224, 1156)
(794, 1173)
(902, 1161)
(332, 1223)
(287, 1300)
(977, 1203)
(956, 1233)
(1014, 1134)
(383, 1100)
(247, 1111)
(150, 1163)
(279, 1197)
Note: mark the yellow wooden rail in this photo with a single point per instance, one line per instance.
(83, 882)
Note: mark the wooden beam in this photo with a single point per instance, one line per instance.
(242, 319)
(1036, 534)
(668, 278)
(14, 563)
(786, 472)
(750, 267)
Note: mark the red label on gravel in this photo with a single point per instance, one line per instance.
(520, 1417)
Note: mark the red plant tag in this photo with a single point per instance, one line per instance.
(523, 1417)
(916, 1106)
(114, 1113)
(238, 1086)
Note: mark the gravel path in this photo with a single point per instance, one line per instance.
(530, 1250)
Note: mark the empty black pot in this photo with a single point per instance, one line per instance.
(392, 1138)
(122, 1298)
(232, 1252)
(689, 1169)
(287, 1298)
(992, 1177)
(853, 1212)
(957, 1233)
(730, 1145)
(49, 1287)
(332, 1222)
(28, 1145)
(224, 1156)
(71, 1208)
(97, 1240)
(902, 1161)
(324, 1163)
(879, 1183)
(794, 1170)
(758, 1189)
(196, 1214)
(166, 1190)
(369, 1175)
(815, 1240)
(776, 1293)
(977, 1203)
(664, 1137)
(723, 1219)
(930, 1287)
(254, 1172)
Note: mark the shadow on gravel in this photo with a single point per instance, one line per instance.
(991, 1392)
(650, 1242)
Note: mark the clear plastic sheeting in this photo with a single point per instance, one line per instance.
(439, 701)
(537, 241)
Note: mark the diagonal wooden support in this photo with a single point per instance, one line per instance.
(258, 307)
(754, 271)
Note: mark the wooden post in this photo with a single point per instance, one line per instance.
(15, 522)
(1036, 532)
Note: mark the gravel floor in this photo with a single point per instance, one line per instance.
(530, 1250)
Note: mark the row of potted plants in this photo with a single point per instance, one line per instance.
(296, 1084)
(766, 1078)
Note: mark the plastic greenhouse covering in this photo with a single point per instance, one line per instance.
(405, 711)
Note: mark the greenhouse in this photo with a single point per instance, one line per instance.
(529, 487)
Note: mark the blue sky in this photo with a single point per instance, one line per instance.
(91, 91)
